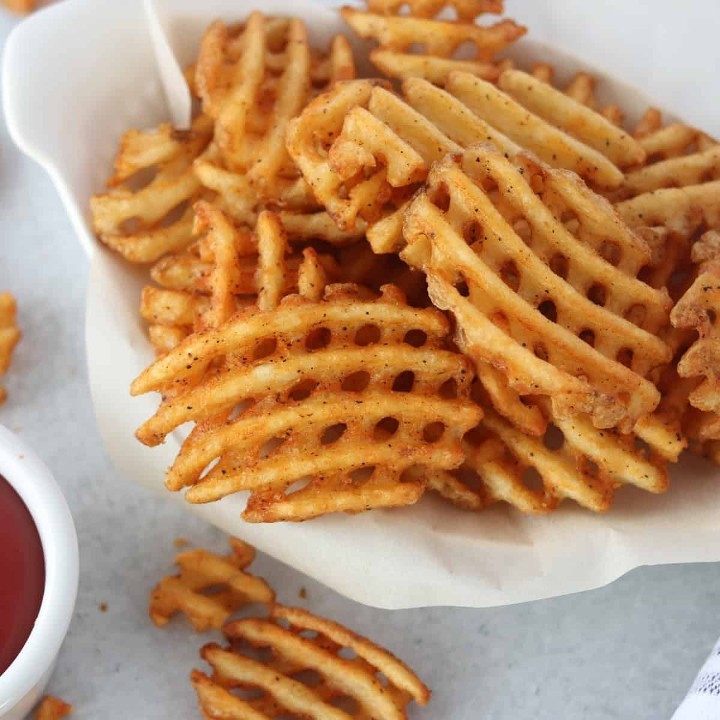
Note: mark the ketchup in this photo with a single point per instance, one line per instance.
(22, 574)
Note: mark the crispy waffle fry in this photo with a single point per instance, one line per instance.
(9, 335)
(419, 44)
(222, 244)
(252, 80)
(363, 149)
(209, 588)
(697, 310)
(682, 210)
(556, 307)
(573, 460)
(146, 212)
(581, 89)
(305, 673)
(677, 188)
(358, 391)
(52, 708)
(227, 269)
(541, 126)
(570, 111)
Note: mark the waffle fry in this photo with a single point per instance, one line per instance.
(350, 388)
(52, 708)
(9, 335)
(209, 588)
(677, 187)
(147, 210)
(201, 285)
(252, 80)
(399, 35)
(308, 646)
(697, 310)
(581, 89)
(565, 301)
(570, 111)
(683, 210)
(573, 460)
(538, 120)
(226, 269)
(363, 149)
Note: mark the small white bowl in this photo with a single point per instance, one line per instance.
(23, 683)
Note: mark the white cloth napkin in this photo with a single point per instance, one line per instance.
(703, 699)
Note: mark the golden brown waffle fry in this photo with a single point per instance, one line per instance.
(663, 431)
(147, 211)
(252, 80)
(9, 335)
(697, 309)
(681, 210)
(52, 708)
(271, 273)
(675, 192)
(304, 673)
(679, 171)
(209, 587)
(173, 308)
(662, 142)
(363, 149)
(546, 134)
(222, 244)
(525, 416)
(573, 460)
(555, 306)
(228, 268)
(581, 89)
(358, 391)
(419, 44)
(570, 112)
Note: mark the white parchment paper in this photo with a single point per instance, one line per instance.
(430, 554)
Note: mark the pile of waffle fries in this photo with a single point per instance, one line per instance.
(455, 277)
(282, 663)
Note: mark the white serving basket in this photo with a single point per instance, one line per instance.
(78, 74)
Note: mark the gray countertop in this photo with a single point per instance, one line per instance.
(629, 650)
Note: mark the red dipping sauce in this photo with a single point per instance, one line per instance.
(22, 574)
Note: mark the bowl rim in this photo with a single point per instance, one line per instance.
(33, 481)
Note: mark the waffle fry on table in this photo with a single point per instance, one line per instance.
(52, 708)
(9, 335)
(293, 664)
(555, 306)
(364, 150)
(209, 587)
(420, 44)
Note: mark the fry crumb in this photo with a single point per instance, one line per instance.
(302, 593)
(181, 542)
(52, 708)
(103, 607)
